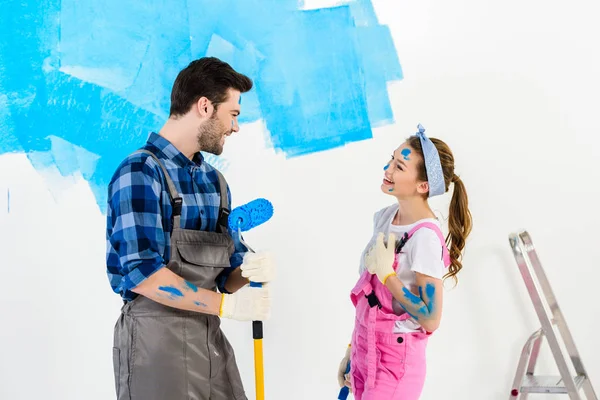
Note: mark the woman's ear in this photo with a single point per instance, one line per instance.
(423, 187)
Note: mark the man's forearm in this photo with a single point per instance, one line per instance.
(167, 288)
(235, 281)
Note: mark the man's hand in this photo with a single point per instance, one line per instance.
(258, 267)
(380, 258)
(247, 304)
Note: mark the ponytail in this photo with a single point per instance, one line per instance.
(459, 226)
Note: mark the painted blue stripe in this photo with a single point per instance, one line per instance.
(82, 85)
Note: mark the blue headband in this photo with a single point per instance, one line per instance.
(435, 175)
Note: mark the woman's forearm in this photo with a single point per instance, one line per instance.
(421, 307)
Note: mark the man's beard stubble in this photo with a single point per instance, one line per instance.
(209, 136)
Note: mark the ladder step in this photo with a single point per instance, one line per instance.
(548, 384)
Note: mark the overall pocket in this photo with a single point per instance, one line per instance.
(204, 257)
(117, 368)
(392, 356)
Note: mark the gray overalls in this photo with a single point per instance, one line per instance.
(163, 353)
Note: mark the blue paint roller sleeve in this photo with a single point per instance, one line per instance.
(250, 215)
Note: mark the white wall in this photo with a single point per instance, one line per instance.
(511, 86)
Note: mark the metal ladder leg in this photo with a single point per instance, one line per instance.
(527, 363)
(526, 257)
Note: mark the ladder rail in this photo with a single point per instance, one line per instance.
(524, 267)
(558, 316)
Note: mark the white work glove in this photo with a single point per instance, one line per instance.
(342, 378)
(247, 304)
(380, 258)
(258, 267)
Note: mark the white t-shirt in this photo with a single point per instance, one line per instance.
(422, 253)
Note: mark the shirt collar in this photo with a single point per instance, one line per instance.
(170, 152)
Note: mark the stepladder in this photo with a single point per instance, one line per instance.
(572, 378)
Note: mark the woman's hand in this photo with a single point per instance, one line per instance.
(380, 258)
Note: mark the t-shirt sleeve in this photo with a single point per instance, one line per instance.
(426, 254)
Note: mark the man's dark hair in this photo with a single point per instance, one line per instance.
(206, 77)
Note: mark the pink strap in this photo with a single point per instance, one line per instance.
(371, 351)
(436, 229)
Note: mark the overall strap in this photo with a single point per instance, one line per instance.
(436, 229)
(176, 200)
(223, 221)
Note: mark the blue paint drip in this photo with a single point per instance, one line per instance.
(8, 201)
(320, 75)
(390, 190)
(198, 303)
(386, 167)
(405, 153)
(171, 290)
(191, 286)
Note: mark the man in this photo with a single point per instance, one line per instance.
(169, 250)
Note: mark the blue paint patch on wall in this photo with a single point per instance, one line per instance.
(82, 85)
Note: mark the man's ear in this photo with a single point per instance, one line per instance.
(204, 107)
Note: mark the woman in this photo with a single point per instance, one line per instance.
(398, 297)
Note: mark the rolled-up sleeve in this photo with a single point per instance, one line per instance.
(135, 239)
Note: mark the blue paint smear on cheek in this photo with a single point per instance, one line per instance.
(191, 286)
(82, 99)
(171, 290)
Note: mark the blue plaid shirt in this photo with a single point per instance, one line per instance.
(138, 221)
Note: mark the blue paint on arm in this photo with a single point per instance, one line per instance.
(409, 313)
(200, 304)
(423, 306)
(430, 292)
(410, 296)
(191, 286)
(171, 290)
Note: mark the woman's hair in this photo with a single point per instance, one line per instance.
(460, 220)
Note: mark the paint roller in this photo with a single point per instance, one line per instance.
(241, 219)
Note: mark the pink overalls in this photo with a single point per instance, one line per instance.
(386, 365)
